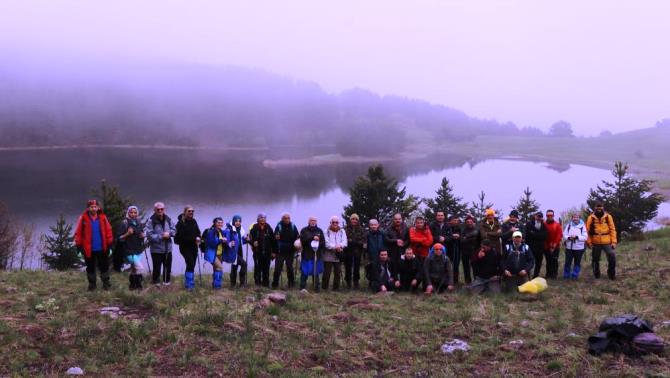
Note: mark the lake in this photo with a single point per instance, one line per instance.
(40, 186)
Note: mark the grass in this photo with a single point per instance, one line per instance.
(49, 323)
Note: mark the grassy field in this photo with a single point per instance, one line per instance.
(49, 323)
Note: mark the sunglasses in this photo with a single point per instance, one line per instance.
(160, 209)
(190, 211)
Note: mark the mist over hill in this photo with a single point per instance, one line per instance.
(215, 106)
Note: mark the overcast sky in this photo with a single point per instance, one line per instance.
(599, 64)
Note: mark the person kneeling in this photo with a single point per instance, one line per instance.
(517, 262)
(410, 272)
(486, 266)
(438, 271)
(382, 276)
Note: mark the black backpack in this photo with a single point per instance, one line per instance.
(203, 241)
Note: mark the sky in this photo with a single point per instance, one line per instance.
(598, 64)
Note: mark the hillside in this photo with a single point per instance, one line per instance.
(50, 323)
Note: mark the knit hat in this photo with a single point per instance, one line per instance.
(354, 216)
(236, 218)
(514, 213)
(436, 245)
(490, 211)
(91, 202)
(261, 215)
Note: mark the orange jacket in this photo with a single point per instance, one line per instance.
(83, 236)
(420, 240)
(601, 231)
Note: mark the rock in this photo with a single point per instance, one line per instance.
(263, 303)
(304, 291)
(452, 346)
(112, 312)
(525, 323)
(665, 323)
(516, 343)
(110, 309)
(572, 334)
(75, 371)
(250, 299)
(275, 318)
(10, 290)
(278, 298)
(649, 248)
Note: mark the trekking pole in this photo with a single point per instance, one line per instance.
(314, 278)
(197, 260)
(147, 257)
(247, 262)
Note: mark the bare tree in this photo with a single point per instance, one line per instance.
(27, 243)
(8, 237)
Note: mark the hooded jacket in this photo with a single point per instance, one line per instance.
(578, 231)
(438, 269)
(267, 244)
(288, 234)
(491, 232)
(518, 258)
(132, 244)
(187, 231)
(154, 229)
(356, 237)
(231, 233)
(83, 234)
(601, 230)
(420, 240)
(554, 234)
(375, 244)
(307, 235)
(333, 239)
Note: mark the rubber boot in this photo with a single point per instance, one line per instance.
(138, 283)
(575, 272)
(189, 282)
(217, 277)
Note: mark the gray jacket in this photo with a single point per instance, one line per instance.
(154, 230)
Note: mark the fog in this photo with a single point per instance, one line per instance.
(599, 65)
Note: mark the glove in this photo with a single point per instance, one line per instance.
(80, 253)
(109, 252)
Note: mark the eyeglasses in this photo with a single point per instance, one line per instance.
(160, 209)
(334, 222)
(190, 211)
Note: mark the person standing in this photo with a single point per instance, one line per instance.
(93, 238)
(356, 242)
(375, 241)
(453, 245)
(574, 237)
(336, 242)
(552, 246)
(313, 246)
(187, 237)
(536, 237)
(237, 236)
(420, 238)
(215, 242)
(602, 237)
(396, 238)
(131, 236)
(489, 229)
(509, 227)
(286, 233)
(469, 245)
(264, 246)
(439, 228)
(517, 262)
(159, 231)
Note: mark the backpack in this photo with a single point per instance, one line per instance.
(203, 241)
(648, 342)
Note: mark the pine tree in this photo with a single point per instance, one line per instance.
(527, 206)
(630, 202)
(376, 196)
(445, 201)
(59, 250)
(478, 209)
(113, 204)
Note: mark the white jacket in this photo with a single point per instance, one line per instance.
(579, 231)
(333, 240)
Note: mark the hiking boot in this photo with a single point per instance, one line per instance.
(91, 286)
(133, 282)
(106, 285)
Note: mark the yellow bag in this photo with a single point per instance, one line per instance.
(534, 286)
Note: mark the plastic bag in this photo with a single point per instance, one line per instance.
(534, 286)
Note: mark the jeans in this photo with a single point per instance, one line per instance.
(242, 265)
(454, 254)
(352, 269)
(572, 255)
(485, 285)
(329, 266)
(611, 260)
(163, 260)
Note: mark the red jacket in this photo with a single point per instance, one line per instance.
(83, 237)
(420, 240)
(554, 234)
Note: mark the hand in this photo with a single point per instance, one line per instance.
(255, 244)
(130, 231)
(523, 273)
(365, 245)
(317, 238)
(450, 287)
(382, 289)
(613, 245)
(414, 282)
(514, 229)
(397, 284)
(481, 254)
(441, 239)
(274, 256)
(508, 274)
(277, 237)
(429, 289)
(232, 244)
(142, 235)
(109, 252)
(197, 239)
(166, 235)
(455, 236)
(401, 243)
(80, 252)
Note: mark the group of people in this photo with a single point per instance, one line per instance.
(493, 255)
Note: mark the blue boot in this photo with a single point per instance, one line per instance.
(575, 272)
(189, 282)
(217, 277)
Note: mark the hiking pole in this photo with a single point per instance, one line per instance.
(314, 278)
(246, 259)
(197, 260)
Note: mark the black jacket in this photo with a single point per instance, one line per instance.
(187, 231)
(375, 244)
(288, 234)
(267, 244)
(535, 238)
(488, 266)
(507, 231)
(391, 237)
(382, 274)
(516, 259)
(438, 230)
(409, 270)
(470, 240)
(438, 269)
(133, 244)
(307, 234)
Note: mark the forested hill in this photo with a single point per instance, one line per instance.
(215, 106)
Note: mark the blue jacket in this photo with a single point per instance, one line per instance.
(375, 244)
(230, 253)
(212, 240)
